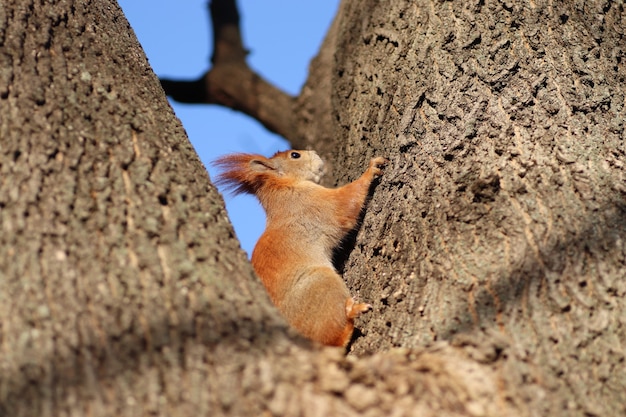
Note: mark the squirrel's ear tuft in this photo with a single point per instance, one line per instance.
(236, 174)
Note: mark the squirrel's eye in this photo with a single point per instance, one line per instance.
(295, 155)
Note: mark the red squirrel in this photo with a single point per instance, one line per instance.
(305, 222)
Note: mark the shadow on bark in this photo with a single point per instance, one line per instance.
(39, 383)
(90, 367)
(545, 274)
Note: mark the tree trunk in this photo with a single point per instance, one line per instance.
(492, 250)
(503, 213)
(123, 290)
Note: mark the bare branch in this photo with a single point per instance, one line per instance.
(231, 83)
(227, 43)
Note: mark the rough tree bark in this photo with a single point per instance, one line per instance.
(493, 249)
(504, 211)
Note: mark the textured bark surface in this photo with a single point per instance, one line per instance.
(503, 209)
(121, 283)
(492, 250)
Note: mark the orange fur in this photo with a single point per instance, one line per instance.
(305, 222)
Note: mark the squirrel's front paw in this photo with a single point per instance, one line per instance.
(376, 165)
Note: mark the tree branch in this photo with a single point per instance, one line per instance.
(231, 83)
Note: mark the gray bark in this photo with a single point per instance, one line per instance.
(118, 268)
(503, 212)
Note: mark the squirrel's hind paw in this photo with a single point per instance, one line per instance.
(354, 309)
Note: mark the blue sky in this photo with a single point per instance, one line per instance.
(282, 37)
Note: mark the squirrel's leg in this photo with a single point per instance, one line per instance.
(351, 197)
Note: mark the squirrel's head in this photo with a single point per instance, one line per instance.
(246, 173)
(302, 165)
